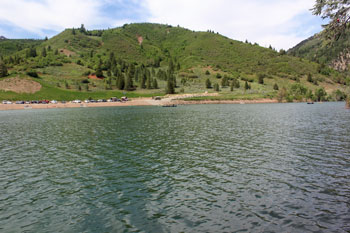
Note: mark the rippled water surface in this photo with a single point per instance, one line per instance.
(205, 168)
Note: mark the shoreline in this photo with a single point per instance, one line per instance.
(131, 102)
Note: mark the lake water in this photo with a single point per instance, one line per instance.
(203, 168)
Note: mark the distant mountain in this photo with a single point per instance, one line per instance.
(2, 38)
(335, 54)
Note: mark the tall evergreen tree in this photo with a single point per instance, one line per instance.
(143, 81)
(99, 72)
(155, 84)
(207, 83)
(121, 82)
(170, 89)
(129, 85)
(82, 29)
(3, 70)
(149, 83)
(246, 86)
(43, 52)
(171, 66)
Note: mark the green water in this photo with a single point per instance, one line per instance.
(205, 168)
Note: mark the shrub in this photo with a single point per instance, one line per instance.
(33, 74)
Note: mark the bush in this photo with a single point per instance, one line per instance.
(207, 72)
(33, 74)
(216, 87)
(261, 78)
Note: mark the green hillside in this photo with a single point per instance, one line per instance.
(152, 59)
(331, 53)
(9, 47)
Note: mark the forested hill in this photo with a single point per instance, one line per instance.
(143, 58)
(335, 54)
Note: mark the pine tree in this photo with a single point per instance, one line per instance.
(246, 86)
(155, 84)
(275, 87)
(309, 78)
(216, 87)
(82, 29)
(143, 81)
(121, 82)
(207, 83)
(99, 72)
(129, 82)
(170, 86)
(3, 70)
(73, 31)
(149, 83)
(171, 66)
(224, 81)
(43, 53)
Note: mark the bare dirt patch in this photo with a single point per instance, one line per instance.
(140, 40)
(19, 85)
(67, 52)
(92, 76)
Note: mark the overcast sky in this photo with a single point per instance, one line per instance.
(280, 23)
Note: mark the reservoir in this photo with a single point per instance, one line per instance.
(195, 168)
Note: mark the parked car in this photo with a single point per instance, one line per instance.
(86, 101)
(63, 102)
(4, 102)
(20, 102)
(53, 102)
(76, 101)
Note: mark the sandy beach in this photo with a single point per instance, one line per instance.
(174, 99)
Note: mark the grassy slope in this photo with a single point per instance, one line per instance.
(317, 48)
(195, 51)
(9, 47)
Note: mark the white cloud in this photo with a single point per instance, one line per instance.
(274, 22)
(268, 22)
(37, 16)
